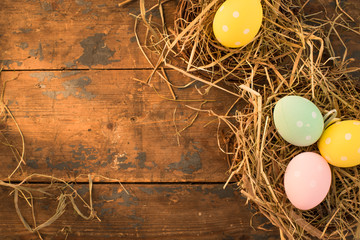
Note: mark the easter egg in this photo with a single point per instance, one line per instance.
(298, 120)
(307, 180)
(340, 143)
(237, 22)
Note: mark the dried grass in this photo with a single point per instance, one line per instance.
(292, 55)
(58, 190)
(65, 195)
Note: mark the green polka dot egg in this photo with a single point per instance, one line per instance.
(298, 120)
(340, 143)
(237, 22)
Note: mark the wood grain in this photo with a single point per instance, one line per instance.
(71, 68)
(58, 34)
(105, 122)
(343, 41)
(72, 34)
(149, 212)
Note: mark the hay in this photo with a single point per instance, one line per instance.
(57, 189)
(4, 114)
(261, 156)
(66, 195)
(292, 55)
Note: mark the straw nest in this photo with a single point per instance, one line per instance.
(291, 55)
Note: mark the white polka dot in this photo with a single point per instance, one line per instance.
(299, 123)
(328, 141)
(348, 136)
(236, 14)
(343, 158)
(221, 8)
(246, 31)
(313, 114)
(327, 158)
(308, 125)
(359, 150)
(225, 28)
(313, 183)
(308, 138)
(356, 123)
(297, 173)
(237, 43)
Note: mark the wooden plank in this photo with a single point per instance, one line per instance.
(338, 12)
(148, 212)
(105, 122)
(55, 34)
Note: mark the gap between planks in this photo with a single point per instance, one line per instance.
(79, 69)
(131, 183)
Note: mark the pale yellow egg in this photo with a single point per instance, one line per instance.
(340, 143)
(237, 22)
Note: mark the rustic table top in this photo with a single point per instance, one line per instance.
(71, 70)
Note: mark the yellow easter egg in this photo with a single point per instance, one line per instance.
(340, 143)
(237, 22)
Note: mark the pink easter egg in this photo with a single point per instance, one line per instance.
(307, 180)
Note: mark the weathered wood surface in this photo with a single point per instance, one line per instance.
(148, 212)
(71, 34)
(106, 123)
(103, 121)
(57, 34)
(340, 36)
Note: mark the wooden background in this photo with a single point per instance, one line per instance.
(70, 66)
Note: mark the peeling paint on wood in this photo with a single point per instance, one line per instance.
(74, 87)
(23, 45)
(37, 53)
(33, 163)
(41, 76)
(141, 157)
(66, 165)
(96, 52)
(190, 162)
(122, 164)
(7, 63)
(83, 153)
